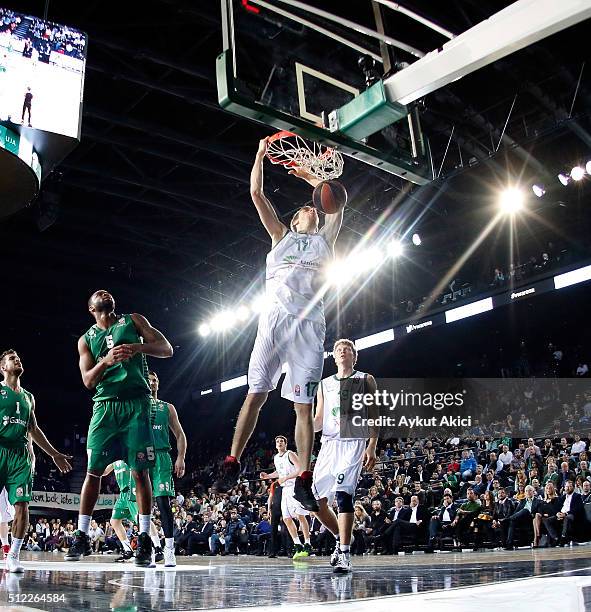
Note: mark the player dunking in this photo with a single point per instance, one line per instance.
(340, 461)
(165, 417)
(286, 469)
(17, 421)
(291, 330)
(112, 362)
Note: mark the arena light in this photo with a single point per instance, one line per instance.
(206, 391)
(539, 190)
(233, 383)
(242, 313)
(204, 330)
(573, 277)
(375, 339)
(416, 240)
(577, 173)
(395, 249)
(223, 321)
(588, 167)
(338, 272)
(564, 178)
(368, 259)
(469, 310)
(259, 303)
(511, 200)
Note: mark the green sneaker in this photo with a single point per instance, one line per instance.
(298, 551)
(307, 550)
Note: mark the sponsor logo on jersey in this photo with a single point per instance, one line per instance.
(297, 390)
(158, 427)
(19, 491)
(161, 486)
(13, 421)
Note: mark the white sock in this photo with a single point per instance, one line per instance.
(144, 523)
(169, 543)
(307, 540)
(126, 545)
(296, 540)
(84, 522)
(155, 541)
(15, 549)
(345, 548)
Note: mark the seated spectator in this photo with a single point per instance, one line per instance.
(467, 467)
(262, 533)
(452, 480)
(483, 530)
(578, 446)
(413, 522)
(199, 537)
(586, 495)
(378, 531)
(549, 507)
(560, 525)
(565, 475)
(504, 508)
(96, 535)
(361, 522)
(524, 513)
(465, 515)
(441, 521)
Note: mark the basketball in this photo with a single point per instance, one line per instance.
(330, 197)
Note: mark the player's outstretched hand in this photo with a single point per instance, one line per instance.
(262, 146)
(370, 460)
(303, 174)
(62, 462)
(179, 467)
(264, 476)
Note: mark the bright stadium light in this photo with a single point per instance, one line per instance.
(204, 330)
(259, 303)
(588, 167)
(539, 190)
(395, 249)
(511, 200)
(368, 259)
(416, 240)
(223, 321)
(338, 273)
(564, 178)
(242, 313)
(577, 173)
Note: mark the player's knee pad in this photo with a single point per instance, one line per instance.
(344, 501)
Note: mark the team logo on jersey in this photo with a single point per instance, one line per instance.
(297, 390)
(3, 392)
(19, 491)
(141, 456)
(91, 333)
(121, 322)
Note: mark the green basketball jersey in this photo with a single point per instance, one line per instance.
(125, 480)
(124, 380)
(159, 420)
(15, 412)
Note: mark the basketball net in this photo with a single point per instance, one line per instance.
(292, 151)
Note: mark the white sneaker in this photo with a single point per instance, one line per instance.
(153, 560)
(13, 564)
(334, 558)
(343, 564)
(169, 558)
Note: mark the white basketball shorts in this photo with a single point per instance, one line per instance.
(290, 506)
(283, 338)
(6, 508)
(338, 468)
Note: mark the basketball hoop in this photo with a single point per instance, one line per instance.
(292, 151)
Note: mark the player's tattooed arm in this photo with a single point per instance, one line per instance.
(319, 413)
(154, 344)
(266, 211)
(37, 435)
(181, 441)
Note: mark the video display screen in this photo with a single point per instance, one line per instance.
(41, 73)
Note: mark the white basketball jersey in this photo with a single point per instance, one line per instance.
(294, 274)
(331, 419)
(284, 467)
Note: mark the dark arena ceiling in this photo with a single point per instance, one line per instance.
(154, 203)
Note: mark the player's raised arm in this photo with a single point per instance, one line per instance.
(267, 213)
(154, 344)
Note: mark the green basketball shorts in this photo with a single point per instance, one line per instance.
(161, 475)
(125, 508)
(16, 473)
(120, 429)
